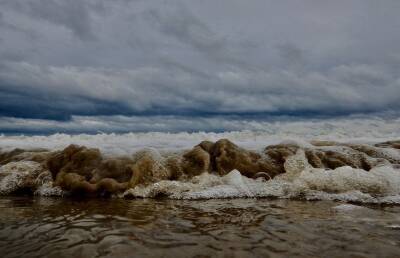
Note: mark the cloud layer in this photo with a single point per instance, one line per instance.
(67, 58)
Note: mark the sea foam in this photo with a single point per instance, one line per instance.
(353, 129)
(381, 185)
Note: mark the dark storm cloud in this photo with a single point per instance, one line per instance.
(198, 58)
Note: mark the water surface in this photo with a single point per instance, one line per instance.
(56, 227)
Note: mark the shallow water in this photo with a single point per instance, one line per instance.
(55, 227)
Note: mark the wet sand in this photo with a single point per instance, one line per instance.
(65, 227)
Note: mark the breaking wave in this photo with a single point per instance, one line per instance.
(300, 169)
(379, 185)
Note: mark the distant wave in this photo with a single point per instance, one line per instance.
(251, 134)
(375, 124)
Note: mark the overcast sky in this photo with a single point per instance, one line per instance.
(67, 60)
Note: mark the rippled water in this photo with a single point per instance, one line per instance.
(51, 227)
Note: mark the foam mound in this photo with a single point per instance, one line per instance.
(315, 170)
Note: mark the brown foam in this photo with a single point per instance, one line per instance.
(82, 170)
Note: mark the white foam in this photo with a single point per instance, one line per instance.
(47, 189)
(205, 186)
(374, 129)
(380, 185)
(27, 174)
(348, 207)
(15, 175)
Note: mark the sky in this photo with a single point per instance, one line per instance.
(91, 65)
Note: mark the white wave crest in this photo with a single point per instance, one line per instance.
(352, 129)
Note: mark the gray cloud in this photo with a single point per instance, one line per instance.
(73, 15)
(186, 28)
(97, 58)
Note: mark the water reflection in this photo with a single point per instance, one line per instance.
(46, 227)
